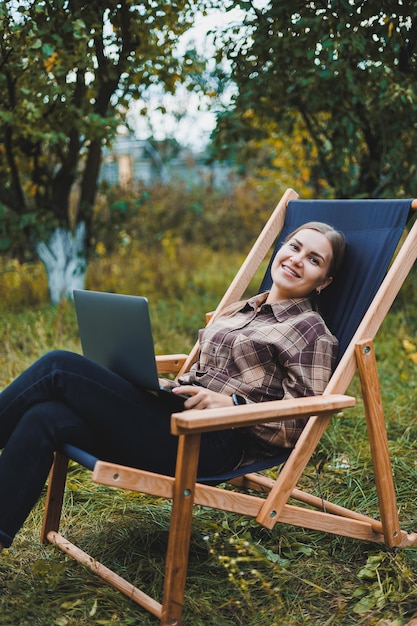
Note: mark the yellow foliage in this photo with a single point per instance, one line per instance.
(170, 245)
(284, 160)
(50, 62)
(409, 346)
(31, 189)
(22, 284)
(100, 249)
(411, 350)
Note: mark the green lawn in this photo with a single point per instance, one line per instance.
(239, 573)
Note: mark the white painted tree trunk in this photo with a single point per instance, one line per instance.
(64, 258)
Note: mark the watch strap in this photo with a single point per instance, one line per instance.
(238, 400)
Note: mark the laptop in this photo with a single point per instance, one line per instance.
(115, 331)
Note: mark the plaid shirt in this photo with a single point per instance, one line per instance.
(266, 352)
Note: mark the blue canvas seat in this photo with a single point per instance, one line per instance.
(354, 307)
(89, 461)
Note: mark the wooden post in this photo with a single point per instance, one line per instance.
(378, 441)
(54, 496)
(180, 529)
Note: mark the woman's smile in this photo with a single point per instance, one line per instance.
(300, 266)
(289, 270)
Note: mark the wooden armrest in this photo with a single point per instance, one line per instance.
(192, 422)
(170, 363)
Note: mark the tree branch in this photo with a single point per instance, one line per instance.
(19, 203)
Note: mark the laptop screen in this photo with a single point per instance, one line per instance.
(115, 331)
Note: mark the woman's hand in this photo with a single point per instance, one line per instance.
(167, 383)
(202, 398)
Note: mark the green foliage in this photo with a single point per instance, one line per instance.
(68, 70)
(341, 73)
(168, 216)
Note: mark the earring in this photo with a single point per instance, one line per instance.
(318, 291)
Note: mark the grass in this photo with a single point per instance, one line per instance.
(239, 573)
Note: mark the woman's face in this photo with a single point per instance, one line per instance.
(301, 266)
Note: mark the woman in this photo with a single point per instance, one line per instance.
(271, 347)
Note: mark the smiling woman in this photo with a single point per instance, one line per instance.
(306, 262)
(270, 347)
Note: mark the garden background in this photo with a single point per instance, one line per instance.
(181, 247)
(319, 96)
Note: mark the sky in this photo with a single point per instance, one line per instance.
(196, 121)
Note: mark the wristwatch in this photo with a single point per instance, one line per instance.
(237, 400)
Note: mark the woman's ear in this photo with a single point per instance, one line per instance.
(324, 284)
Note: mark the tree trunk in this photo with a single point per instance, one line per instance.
(64, 258)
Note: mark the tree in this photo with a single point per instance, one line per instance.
(346, 72)
(67, 71)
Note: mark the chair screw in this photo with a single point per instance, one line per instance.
(272, 514)
(187, 492)
(367, 350)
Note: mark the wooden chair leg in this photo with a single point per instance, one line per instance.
(180, 529)
(54, 496)
(378, 440)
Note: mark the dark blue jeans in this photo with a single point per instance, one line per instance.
(66, 398)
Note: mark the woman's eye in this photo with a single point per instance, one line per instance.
(314, 260)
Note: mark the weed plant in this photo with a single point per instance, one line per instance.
(239, 573)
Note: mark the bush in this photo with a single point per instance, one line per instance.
(158, 236)
(22, 284)
(202, 215)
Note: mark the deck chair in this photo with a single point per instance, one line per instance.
(354, 307)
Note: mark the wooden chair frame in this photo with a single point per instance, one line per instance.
(269, 504)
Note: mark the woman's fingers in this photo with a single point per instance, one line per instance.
(202, 398)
